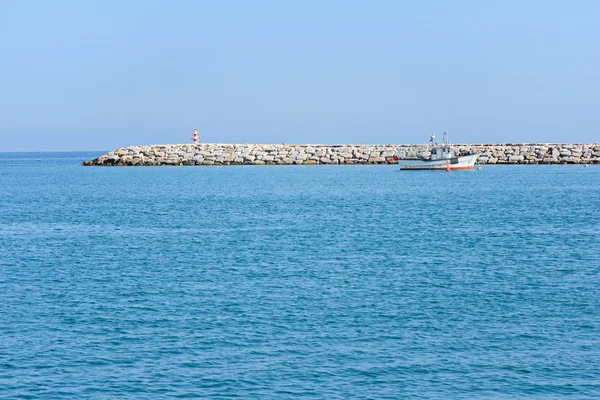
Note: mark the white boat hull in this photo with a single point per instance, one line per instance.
(456, 163)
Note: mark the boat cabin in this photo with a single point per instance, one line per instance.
(442, 153)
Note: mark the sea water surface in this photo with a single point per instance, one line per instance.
(297, 281)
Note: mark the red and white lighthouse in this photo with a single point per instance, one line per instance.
(195, 136)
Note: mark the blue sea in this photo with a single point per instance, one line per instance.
(280, 282)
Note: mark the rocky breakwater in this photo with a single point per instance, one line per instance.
(307, 154)
(247, 154)
(536, 153)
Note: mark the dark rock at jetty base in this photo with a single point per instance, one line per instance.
(307, 154)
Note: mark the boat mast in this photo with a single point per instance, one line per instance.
(432, 140)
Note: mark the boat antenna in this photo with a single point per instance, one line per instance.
(444, 138)
(432, 139)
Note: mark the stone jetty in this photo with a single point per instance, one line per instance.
(310, 154)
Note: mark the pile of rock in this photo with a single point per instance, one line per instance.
(252, 154)
(296, 154)
(534, 153)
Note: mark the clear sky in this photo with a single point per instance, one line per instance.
(96, 75)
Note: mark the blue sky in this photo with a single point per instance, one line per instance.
(96, 75)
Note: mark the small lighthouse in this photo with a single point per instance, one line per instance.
(195, 136)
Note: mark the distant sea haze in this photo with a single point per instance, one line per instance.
(283, 282)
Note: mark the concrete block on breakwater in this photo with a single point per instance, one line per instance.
(312, 154)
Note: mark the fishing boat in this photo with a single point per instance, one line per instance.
(442, 158)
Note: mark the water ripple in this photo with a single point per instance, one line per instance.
(356, 282)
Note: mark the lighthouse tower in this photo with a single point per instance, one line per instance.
(195, 136)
